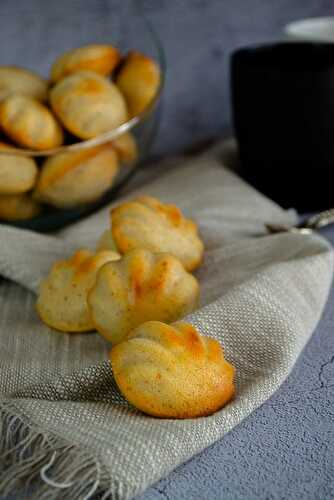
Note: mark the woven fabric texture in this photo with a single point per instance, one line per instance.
(65, 426)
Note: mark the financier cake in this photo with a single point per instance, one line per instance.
(105, 242)
(172, 371)
(142, 286)
(29, 123)
(17, 173)
(18, 207)
(14, 80)
(62, 300)
(126, 147)
(145, 222)
(87, 104)
(139, 81)
(74, 178)
(98, 58)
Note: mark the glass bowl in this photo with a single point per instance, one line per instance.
(53, 31)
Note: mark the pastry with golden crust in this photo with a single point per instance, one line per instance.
(140, 287)
(126, 147)
(99, 58)
(18, 207)
(17, 173)
(172, 371)
(62, 300)
(74, 178)
(105, 242)
(29, 123)
(145, 222)
(14, 80)
(87, 104)
(139, 81)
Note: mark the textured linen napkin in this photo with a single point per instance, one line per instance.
(64, 425)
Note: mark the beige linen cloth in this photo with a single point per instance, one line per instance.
(65, 427)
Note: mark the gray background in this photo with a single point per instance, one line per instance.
(286, 448)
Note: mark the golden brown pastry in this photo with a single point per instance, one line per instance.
(172, 371)
(145, 222)
(126, 147)
(106, 242)
(14, 80)
(142, 286)
(78, 177)
(17, 173)
(62, 301)
(100, 59)
(29, 123)
(88, 104)
(18, 207)
(139, 81)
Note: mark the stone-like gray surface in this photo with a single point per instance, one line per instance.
(286, 448)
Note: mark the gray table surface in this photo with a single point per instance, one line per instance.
(286, 448)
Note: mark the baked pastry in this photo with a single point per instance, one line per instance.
(126, 147)
(29, 123)
(105, 242)
(139, 81)
(101, 59)
(88, 104)
(172, 371)
(78, 177)
(142, 286)
(145, 222)
(17, 173)
(62, 298)
(14, 80)
(18, 207)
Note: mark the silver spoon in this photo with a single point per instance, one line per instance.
(322, 219)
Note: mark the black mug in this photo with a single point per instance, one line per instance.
(283, 111)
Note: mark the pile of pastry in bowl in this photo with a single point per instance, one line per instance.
(133, 290)
(91, 90)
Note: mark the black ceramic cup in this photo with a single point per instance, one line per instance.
(283, 112)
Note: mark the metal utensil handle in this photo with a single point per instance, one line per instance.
(320, 220)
